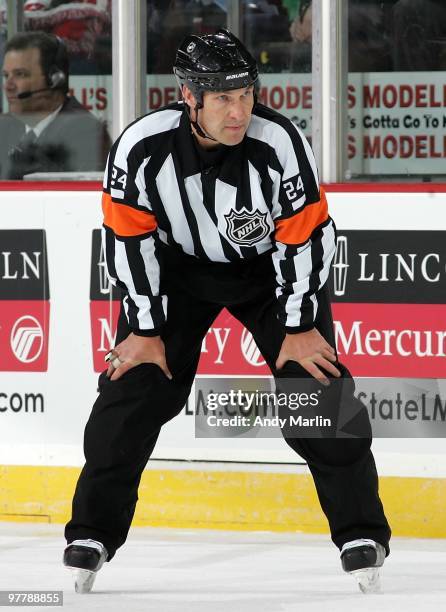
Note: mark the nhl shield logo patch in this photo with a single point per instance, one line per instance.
(246, 227)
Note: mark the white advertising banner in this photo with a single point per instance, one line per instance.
(396, 121)
(57, 322)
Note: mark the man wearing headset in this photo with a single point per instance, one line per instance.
(46, 129)
(208, 203)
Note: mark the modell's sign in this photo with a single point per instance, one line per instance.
(104, 305)
(25, 306)
(406, 267)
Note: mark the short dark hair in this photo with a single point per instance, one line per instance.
(53, 52)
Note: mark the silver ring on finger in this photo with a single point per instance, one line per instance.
(112, 354)
(116, 362)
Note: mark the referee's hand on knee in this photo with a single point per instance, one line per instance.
(310, 350)
(135, 350)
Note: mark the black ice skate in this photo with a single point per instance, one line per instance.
(85, 558)
(363, 558)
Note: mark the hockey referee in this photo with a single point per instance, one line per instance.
(208, 203)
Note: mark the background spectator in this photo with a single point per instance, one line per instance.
(45, 130)
(83, 25)
(301, 35)
(419, 35)
(368, 41)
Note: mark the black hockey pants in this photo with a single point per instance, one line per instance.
(126, 418)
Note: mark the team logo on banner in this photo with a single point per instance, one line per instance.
(24, 301)
(27, 339)
(104, 282)
(340, 266)
(246, 228)
(250, 350)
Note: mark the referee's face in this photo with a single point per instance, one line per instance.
(226, 115)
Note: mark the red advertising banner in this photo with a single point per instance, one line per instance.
(229, 348)
(385, 340)
(400, 340)
(24, 332)
(104, 318)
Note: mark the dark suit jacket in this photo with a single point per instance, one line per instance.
(74, 141)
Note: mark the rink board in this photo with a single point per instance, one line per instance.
(57, 295)
(240, 500)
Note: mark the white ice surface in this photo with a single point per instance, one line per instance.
(170, 570)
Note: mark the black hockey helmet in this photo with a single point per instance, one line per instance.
(214, 62)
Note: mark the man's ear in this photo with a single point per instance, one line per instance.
(189, 97)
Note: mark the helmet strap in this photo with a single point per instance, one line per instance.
(195, 123)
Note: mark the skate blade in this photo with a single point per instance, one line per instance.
(368, 579)
(83, 580)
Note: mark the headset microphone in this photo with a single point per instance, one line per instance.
(57, 79)
(28, 94)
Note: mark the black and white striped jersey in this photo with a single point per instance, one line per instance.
(261, 195)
